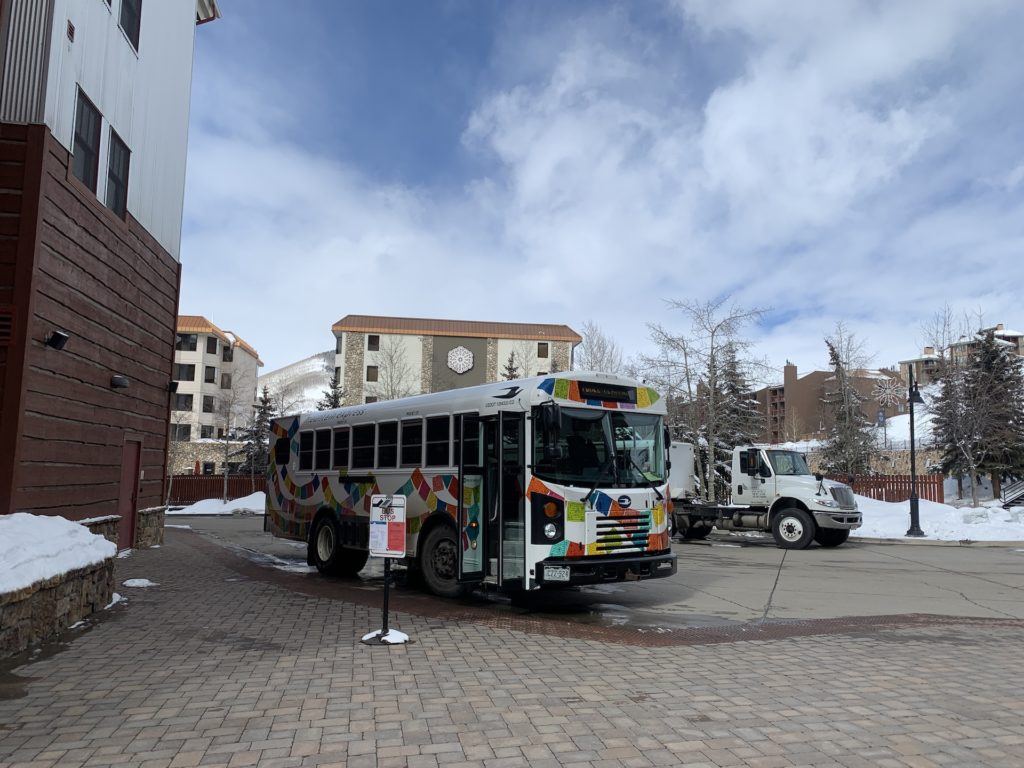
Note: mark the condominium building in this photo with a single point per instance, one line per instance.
(381, 358)
(215, 374)
(94, 113)
(926, 366)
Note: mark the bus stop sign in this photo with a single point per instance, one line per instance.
(387, 525)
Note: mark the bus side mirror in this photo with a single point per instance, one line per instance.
(550, 421)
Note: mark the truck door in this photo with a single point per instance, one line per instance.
(754, 483)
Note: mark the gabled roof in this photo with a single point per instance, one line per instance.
(199, 324)
(419, 326)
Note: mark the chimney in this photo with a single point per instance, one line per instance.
(929, 350)
(999, 326)
(789, 376)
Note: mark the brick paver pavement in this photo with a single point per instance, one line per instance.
(220, 667)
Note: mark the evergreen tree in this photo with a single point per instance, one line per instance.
(994, 375)
(333, 396)
(511, 370)
(256, 435)
(740, 421)
(851, 442)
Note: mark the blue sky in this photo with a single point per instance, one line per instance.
(563, 162)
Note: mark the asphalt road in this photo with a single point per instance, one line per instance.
(730, 581)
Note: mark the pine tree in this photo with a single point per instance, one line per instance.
(740, 418)
(333, 396)
(256, 435)
(994, 375)
(851, 443)
(511, 370)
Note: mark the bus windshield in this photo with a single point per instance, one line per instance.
(788, 463)
(615, 449)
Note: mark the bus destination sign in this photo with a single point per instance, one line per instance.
(387, 525)
(607, 393)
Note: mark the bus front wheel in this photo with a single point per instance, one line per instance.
(329, 556)
(439, 562)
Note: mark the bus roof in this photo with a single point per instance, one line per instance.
(584, 389)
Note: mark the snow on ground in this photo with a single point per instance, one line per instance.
(941, 522)
(38, 547)
(253, 504)
(114, 600)
(140, 583)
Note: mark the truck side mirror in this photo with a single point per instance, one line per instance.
(752, 455)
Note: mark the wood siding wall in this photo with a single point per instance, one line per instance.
(114, 289)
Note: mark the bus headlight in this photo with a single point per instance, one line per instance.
(551, 530)
(547, 519)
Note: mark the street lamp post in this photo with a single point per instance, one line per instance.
(913, 396)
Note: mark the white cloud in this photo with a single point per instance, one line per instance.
(836, 170)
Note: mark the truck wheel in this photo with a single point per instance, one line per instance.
(439, 562)
(700, 532)
(831, 537)
(329, 557)
(793, 528)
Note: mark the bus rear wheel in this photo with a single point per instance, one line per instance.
(329, 556)
(439, 562)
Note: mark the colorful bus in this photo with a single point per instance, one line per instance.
(552, 480)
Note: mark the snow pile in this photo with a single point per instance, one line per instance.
(298, 387)
(941, 522)
(38, 547)
(140, 583)
(253, 504)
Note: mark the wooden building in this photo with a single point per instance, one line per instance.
(92, 171)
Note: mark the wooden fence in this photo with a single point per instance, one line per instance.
(188, 489)
(896, 487)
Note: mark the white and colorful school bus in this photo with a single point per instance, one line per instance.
(523, 484)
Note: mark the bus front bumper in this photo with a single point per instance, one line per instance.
(562, 571)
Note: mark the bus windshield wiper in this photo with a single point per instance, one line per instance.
(600, 476)
(650, 483)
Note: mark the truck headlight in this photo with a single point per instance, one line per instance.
(551, 530)
(827, 503)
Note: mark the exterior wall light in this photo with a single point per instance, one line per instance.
(117, 381)
(57, 339)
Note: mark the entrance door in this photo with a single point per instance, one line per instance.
(512, 495)
(127, 502)
(472, 518)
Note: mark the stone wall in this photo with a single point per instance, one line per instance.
(354, 373)
(492, 360)
(149, 527)
(561, 356)
(889, 462)
(104, 526)
(426, 363)
(42, 611)
(183, 456)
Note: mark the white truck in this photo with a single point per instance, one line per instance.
(772, 490)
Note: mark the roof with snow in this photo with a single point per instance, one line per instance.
(420, 326)
(199, 324)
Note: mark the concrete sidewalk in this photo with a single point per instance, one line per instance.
(220, 666)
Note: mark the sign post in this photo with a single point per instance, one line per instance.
(387, 540)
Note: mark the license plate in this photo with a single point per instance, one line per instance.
(556, 573)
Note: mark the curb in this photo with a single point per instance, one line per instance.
(937, 543)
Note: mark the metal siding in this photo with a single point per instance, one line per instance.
(25, 63)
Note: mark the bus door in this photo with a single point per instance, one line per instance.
(512, 496)
(472, 518)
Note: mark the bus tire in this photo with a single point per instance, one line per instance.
(831, 537)
(329, 557)
(439, 562)
(792, 528)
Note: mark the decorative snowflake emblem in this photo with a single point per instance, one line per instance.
(460, 359)
(888, 392)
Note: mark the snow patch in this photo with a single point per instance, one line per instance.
(140, 583)
(183, 527)
(124, 553)
(114, 600)
(253, 504)
(940, 522)
(393, 637)
(38, 547)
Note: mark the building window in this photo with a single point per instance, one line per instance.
(207, 403)
(370, 399)
(412, 443)
(210, 375)
(184, 372)
(438, 449)
(305, 451)
(341, 448)
(182, 402)
(362, 446)
(373, 343)
(131, 20)
(227, 354)
(220, 433)
(186, 342)
(387, 445)
(85, 151)
(542, 349)
(181, 433)
(206, 431)
(372, 372)
(209, 467)
(118, 159)
(225, 381)
(337, 345)
(323, 449)
(211, 345)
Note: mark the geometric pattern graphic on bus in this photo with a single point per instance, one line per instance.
(569, 389)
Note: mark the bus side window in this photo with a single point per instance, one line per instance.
(323, 449)
(412, 443)
(438, 441)
(341, 448)
(282, 451)
(305, 451)
(387, 445)
(362, 446)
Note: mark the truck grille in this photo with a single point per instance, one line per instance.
(618, 533)
(845, 497)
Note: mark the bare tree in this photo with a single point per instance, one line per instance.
(525, 352)
(394, 372)
(688, 370)
(176, 449)
(233, 411)
(598, 352)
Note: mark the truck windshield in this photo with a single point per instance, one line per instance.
(578, 452)
(788, 463)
